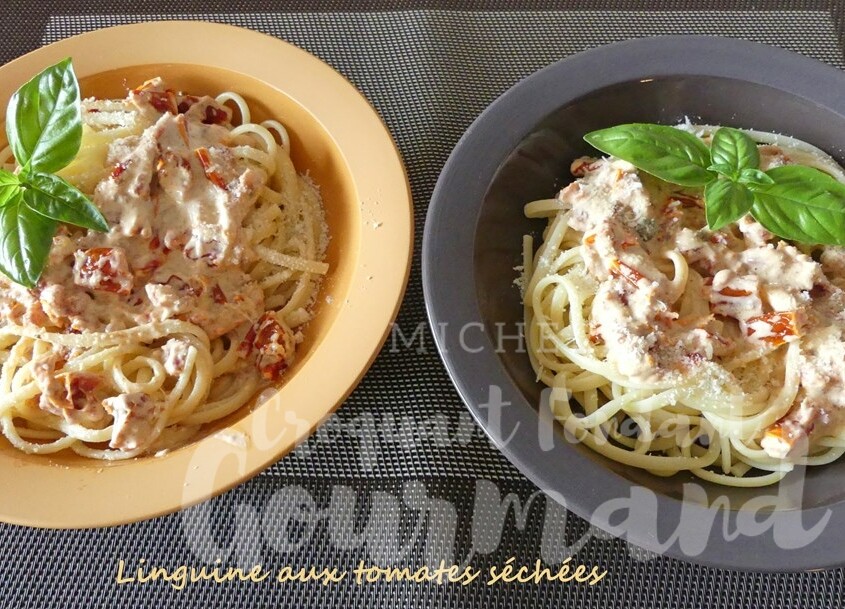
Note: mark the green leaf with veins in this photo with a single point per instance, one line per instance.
(667, 153)
(52, 197)
(726, 202)
(755, 176)
(44, 130)
(43, 120)
(733, 150)
(802, 204)
(25, 241)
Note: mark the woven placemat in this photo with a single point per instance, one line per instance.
(401, 476)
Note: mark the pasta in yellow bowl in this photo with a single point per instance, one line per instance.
(200, 337)
(193, 300)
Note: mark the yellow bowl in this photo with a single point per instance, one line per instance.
(339, 139)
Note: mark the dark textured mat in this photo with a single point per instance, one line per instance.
(403, 450)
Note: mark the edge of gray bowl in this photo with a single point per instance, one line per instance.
(448, 283)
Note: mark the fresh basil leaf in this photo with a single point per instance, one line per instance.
(723, 168)
(725, 201)
(8, 192)
(9, 185)
(670, 154)
(43, 121)
(755, 176)
(803, 204)
(25, 241)
(7, 177)
(52, 197)
(734, 149)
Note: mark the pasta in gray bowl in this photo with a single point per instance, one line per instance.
(520, 150)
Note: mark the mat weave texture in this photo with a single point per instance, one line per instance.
(403, 445)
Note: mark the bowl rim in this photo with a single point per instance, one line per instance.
(150, 487)
(448, 260)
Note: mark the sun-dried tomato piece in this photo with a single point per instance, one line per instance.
(734, 292)
(272, 346)
(149, 268)
(246, 346)
(163, 101)
(118, 170)
(818, 290)
(218, 295)
(186, 102)
(205, 160)
(80, 388)
(620, 269)
(183, 130)
(774, 328)
(790, 431)
(103, 268)
(214, 116)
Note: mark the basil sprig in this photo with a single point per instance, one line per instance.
(665, 152)
(794, 202)
(44, 131)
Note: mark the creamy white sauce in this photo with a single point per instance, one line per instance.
(750, 291)
(175, 199)
(176, 247)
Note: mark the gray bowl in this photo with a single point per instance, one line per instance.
(519, 150)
